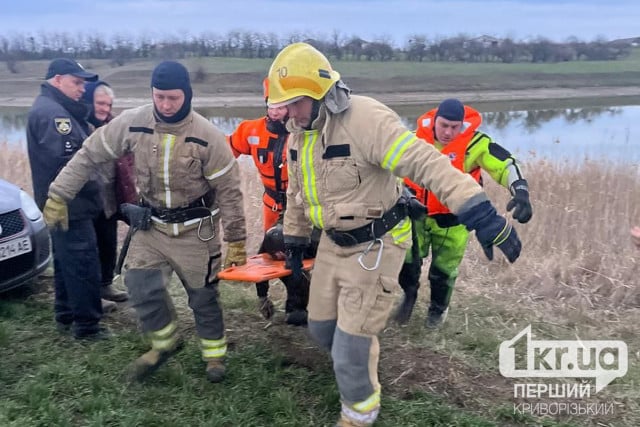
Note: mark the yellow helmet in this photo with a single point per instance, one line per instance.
(265, 88)
(299, 70)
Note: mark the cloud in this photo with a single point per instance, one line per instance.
(554, 19)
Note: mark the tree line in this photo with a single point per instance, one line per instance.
(122, 48)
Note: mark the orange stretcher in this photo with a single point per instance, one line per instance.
(259, 268)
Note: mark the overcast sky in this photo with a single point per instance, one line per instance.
(394, 20)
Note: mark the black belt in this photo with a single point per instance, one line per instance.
(199, 208)
(369, 232)
(278, 196)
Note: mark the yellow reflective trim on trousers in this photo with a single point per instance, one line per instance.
(158, 344)
(401, 232)
(371, 403)
(213, 343)
(165, 332)
(167, 149)
(309, 189)
(214, 353)
(213, 349)
(164, 338)
(397, 149)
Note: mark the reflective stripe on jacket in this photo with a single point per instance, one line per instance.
(269, 153)
(175, 163)
(471, 152)
(345, 172)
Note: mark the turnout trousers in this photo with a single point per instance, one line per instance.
(153, 257)
(348, 306)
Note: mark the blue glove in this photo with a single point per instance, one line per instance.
(520, 201)
(492, 229)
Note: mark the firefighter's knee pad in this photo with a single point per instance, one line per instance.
(350, 354)
(144, 284)
(322, 332)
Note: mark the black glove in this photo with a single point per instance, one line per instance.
(416, 210)
(492, 229)
(294, 254)
(138, 217)
(520, 201)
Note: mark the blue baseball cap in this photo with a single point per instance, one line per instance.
(451, 109)
(62, 66)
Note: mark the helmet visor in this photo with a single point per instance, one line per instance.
(284, 103)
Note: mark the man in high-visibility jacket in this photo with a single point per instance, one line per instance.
(345, 155)
(265, 140)
(452, 129)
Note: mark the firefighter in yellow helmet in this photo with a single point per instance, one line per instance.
(347, 155)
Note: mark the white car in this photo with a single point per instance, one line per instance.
(25, 244)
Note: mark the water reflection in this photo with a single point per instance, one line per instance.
(558, 134)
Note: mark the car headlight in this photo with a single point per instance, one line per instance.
(29, 207)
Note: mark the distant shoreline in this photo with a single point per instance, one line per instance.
(244, 100)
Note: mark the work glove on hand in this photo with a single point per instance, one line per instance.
(265, 307)
(55, 212)
(293, 261)
(520, 201)
(137, 216)
(492, 229)
(236, 254)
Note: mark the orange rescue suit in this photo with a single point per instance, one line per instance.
(455, 150)
(265, 141)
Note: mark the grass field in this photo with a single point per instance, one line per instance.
(577, 277)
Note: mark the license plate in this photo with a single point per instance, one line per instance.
(14, 248)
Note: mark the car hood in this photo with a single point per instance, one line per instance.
(9, 196)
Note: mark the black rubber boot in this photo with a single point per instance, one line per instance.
(296, 318)
(409, 280)
(440, 297)
(297, 299)
(436, 316)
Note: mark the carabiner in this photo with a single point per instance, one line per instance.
(213, 230)
(366, 251)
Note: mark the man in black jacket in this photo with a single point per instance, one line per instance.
(56, 129)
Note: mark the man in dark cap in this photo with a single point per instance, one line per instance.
(56, 130)
(453, 129)
(188, 181)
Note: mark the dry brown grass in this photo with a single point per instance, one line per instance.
(576, 251)
(14, 166)
(576, 277)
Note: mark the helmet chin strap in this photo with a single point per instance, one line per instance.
(315, 110)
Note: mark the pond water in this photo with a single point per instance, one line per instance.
(558, 134)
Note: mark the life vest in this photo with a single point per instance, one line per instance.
(455, 150)
(265, 142)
